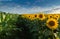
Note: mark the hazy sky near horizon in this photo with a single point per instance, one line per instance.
(29, 6)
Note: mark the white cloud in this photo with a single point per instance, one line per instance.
(22, 10)
(54, 10)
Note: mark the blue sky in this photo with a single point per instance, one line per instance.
(29, 6)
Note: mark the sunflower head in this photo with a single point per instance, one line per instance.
(41, 16)
(35, 16)
(31, 16)
(56, 16)
(50, 16)
(52, 23)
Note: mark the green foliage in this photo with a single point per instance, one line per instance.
(8, 29)
(13, 26)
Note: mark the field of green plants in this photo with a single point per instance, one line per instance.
(14, 26)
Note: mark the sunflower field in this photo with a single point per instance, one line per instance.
(29, 26)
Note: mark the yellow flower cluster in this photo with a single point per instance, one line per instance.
(34, 16)
(52, 19)
(55, 16)
(52, 22)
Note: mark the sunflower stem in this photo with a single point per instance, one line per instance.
(52, 34)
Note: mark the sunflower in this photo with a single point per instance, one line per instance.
(31, 17)
(50, 16)
(35, 16)
(52, 24)
(41, 16)
(56, 16)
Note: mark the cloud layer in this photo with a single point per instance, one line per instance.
(22, 10)
(54, 10)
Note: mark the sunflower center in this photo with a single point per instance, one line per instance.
(51, 23)
(50, 16)
(56, 16)
(41, 16)
(35, 15)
